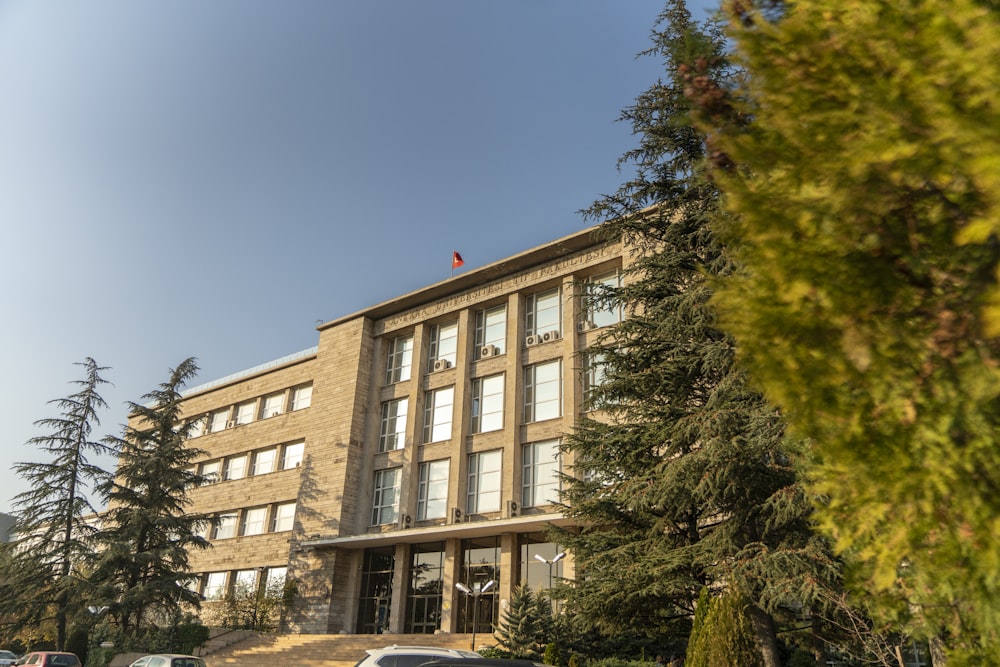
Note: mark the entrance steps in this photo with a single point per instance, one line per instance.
(266, 650)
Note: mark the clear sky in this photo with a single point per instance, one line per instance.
(212, 179)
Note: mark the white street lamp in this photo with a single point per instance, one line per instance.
(555, 559)
(474, 594)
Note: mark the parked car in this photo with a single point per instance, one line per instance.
(168, 660)
(411, 656)
(48, 659)
(482, 662)
(7, 658)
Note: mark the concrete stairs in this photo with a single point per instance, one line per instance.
(262, 650)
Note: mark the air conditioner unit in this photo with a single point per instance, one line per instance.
(585, 325)
(231, 423)
(550, 336)
(405, 521)
(274, 413)
(487, 351)
(511, 509)
(532, 340)
(455, 515)
(441, 365)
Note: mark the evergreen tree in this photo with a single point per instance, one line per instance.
(55, 537)
(143, 564)
(689, 479)
(725, 637)
(868, 203)
(522, 630)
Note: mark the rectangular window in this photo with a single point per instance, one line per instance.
(385, 505)
(236, 467)
(263, 461)
(291, 455)
(254, 521)
(196, 427)
(276, 580)
(540, 474)
(484, 482)
(444, 344)
(245, 412)
(541, 314)
(400, 360)
(593, 377)
(543, 391)
(226, 526)
(438, 408)
(215, 585)
(245, 582)
(302, 397)
(274, 404)
(432, 495)
(491, 331)
(210, 471)
(284, 516)
(217, 421)
(392, 433)
(487, 404)
(601, 306)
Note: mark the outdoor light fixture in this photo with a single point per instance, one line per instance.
(474, 594)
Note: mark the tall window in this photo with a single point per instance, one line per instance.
(444, 343)
(196, 427)
(593, 377)
(541, 314)
(438, 408)
(217, 420)
(484, 482)
(302, 397)
(263, 461)
(226, 526)
(487, 404)
(543, 391)
(236, 467)
(274, 404)
(432, 496)
(400, 360)
(540, 474)
(275, 580)
(291, 455)
(254, 520)
(215, 585)
(601, 305)
(392, 433)
(245, 582)
(385, 506)
(210, 471)
(245, 412)
(284, 516)
(491, 330)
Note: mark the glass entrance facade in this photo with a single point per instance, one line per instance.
(425, 588)
(376, 591)
(480, 565)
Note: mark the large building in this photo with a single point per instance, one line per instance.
(415, 448)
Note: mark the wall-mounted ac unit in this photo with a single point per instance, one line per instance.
(487, 351)
(585, 325)
(532, 340)
(231, 423)
(405, 521)
(511, 509)
(274, 413)
(455, 515)
(550, 336)
(441, 365)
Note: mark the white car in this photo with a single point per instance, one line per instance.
(410, 656)
(7, 658)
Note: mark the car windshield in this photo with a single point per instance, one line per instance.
(7, 655)
(187, 662)
(62, 660)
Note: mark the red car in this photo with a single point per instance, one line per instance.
(49, 659)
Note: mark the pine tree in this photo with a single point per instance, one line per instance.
(522, 630)
(54, 534)
(868, 203)
(689, 480)
(724, 637)
(143, 566)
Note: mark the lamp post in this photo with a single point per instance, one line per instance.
(474, 593)
(542, 559)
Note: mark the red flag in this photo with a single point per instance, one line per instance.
(456, 260)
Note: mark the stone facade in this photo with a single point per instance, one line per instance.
(414, 453)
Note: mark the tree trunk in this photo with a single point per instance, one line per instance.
(938, 656)
(818, 645)
(767, 641)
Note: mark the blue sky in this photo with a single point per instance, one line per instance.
(212, 179)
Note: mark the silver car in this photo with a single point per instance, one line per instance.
(410, 656)
(7, 658)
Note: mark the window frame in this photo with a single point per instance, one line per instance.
(531, 402)
(257, 457)
(301, 397)
(292, 454)
(533, 311)
(435, 411)
(533, 468)
(484, 404)
(399, 360)
(396, 438)
(227, 468)
(281, 515)
(383, 512)
(444, 343)
(477, 475)
(254, 521)
(429, 489)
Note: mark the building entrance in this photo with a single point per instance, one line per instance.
(376, 591)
